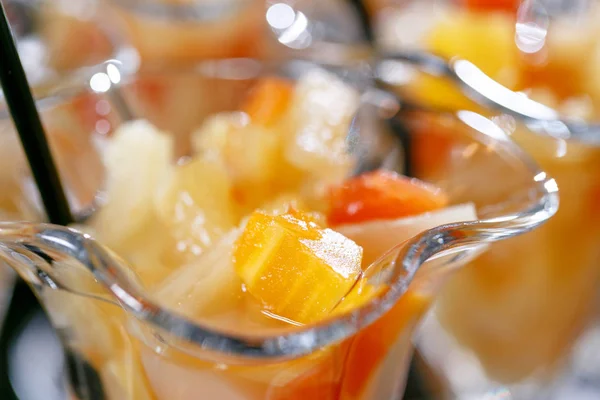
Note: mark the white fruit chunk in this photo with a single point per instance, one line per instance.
(321, 112)
(208, 284)
(136, 159)
(377, 237)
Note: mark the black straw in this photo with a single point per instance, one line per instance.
(29, 127)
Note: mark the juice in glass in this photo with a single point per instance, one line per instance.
(536, 293)
(261, 261)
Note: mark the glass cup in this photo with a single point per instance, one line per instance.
(178, 33)
(534, 323)
(124, 341)
(57, 37)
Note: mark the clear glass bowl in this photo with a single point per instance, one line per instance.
(534, 324)
(125, 343)
(57, 37)
(180, 33)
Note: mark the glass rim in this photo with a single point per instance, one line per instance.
(492, 96)
(187, 12)
(34, 244)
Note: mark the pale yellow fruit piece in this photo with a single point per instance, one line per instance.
(208, 285)
(210, 139)
(377, 237)
(321, 111)
(195, 203)
(283, 203)
(487, 40)
(136, 159)
(295, 268)
(252, 155)
(248, 150)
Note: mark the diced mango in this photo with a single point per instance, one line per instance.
(381, 195)
(269, 100)
(295, 268)
(196, 205)
(321, 112)
(136, 159)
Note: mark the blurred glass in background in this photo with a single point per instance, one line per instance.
(521, 321)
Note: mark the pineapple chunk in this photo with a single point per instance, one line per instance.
(295, 268)
(136, 159)
(321, 111)
(248, 150)
(196, 205)
(211, 138)
(252, 155)
(209, 284)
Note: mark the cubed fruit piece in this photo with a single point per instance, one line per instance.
(211, 138)
(321, 112)
(196, 204)
(269, 100)
(137, 158)
(382, 195)
(151, 253)
(295, 268)
(487, 40)
(209, 284)
(377, 237)
(252, 155)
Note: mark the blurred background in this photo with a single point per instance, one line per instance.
(535, 315)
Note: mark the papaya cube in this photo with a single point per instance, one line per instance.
(295, 268)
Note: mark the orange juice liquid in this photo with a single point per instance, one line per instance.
(133, 365)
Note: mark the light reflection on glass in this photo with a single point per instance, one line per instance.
(291, 27)
(482, 84)
(482, 124)
(113, 73)
(531, 27)
(100, 82)
(102, 126)
(103, 107)
(281, 16)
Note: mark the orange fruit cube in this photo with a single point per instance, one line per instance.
(268, 100)
(295, 268)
